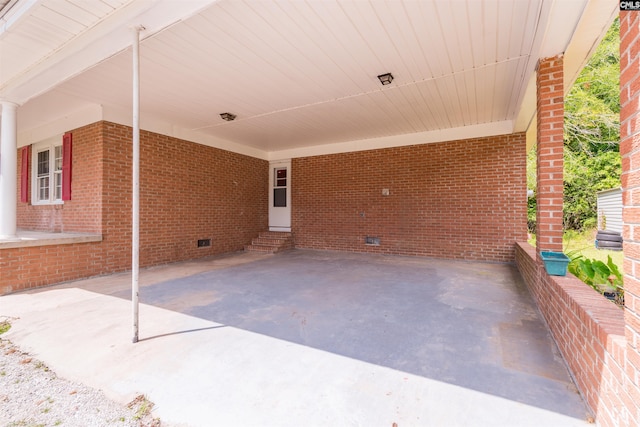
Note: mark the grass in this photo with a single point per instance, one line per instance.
(580, 248)
(141, 405)
(4, 327)
(584, 244)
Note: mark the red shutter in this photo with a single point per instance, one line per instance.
(24, 176)
(66, 166)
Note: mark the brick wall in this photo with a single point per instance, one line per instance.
(589, 331)
(188, 192)
(83, 212)
(630, 153)
(30, 267)
(460, 199)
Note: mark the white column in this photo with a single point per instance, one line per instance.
(135, 232)
(8, 171)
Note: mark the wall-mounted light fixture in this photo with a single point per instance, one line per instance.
(385, 79)
(228, 116)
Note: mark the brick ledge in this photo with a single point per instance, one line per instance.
(588, 329)
(28, 238)
(601, 311)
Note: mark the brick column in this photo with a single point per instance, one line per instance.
(630, 153)
(550, 108)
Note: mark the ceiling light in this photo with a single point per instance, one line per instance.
(228, 116)
(385, 79)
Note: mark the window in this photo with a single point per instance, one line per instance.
(48, 160)
(280, 188)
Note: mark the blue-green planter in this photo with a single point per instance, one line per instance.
(555, 263)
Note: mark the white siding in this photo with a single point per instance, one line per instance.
(610, 210)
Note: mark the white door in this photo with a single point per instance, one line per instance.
(280, 195)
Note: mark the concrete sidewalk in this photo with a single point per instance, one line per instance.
(200, 373)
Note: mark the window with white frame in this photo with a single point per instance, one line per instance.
(47, 173)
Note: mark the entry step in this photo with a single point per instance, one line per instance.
(271, 242)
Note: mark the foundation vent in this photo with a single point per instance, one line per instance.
(204, 242)
(374, 241)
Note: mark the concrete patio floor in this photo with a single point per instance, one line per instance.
(309, 338)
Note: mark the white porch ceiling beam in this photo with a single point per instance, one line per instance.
(441, 135)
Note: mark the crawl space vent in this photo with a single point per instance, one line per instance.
(375, 241)
(204, 242)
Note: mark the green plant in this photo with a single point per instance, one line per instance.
(603, 277)
(4, 326)
(141, 405)
(44, 367)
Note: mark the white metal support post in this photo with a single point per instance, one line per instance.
(135, 235)
(8, 171)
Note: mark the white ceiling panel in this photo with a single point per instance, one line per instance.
(296, 73)
(57, 22)
(97, 8)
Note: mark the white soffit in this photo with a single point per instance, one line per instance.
(301, 76)
(45, 42)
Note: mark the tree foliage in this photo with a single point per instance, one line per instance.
(591, 136)
(584, 176)
(592, 107)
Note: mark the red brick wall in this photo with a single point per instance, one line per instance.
(589, 331)
(460, 199)
(25, 268)
(630, 153)
(188, 192)
(83, 212)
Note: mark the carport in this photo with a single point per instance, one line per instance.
(310, 337)
(382, 127)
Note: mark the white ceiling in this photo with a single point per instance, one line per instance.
(299, 75)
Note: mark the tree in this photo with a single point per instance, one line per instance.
(592, 107)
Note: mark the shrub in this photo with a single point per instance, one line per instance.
(604, 278)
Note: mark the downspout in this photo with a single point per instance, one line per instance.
(135, 235)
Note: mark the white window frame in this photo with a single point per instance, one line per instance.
(49, 145)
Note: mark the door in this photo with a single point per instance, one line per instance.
(280, 196)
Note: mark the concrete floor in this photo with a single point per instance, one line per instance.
(310, 338)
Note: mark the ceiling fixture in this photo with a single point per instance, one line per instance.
(385, 79)
(228, 116)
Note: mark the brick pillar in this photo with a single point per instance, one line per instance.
(550, 108)
(630, 153)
